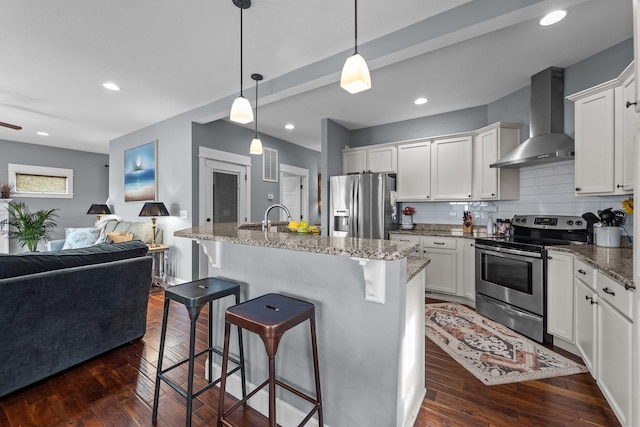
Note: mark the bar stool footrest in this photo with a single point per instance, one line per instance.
(286, 387)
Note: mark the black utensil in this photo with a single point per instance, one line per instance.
(591, 218)
(607, 216)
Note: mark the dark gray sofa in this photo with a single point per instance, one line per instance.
(58, 309)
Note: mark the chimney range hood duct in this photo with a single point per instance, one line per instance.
(548, 142)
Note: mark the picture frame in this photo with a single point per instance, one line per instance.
(141, 173)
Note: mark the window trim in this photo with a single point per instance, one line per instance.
(15, 169)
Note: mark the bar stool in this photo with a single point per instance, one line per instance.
(194, 295)
(270, 316)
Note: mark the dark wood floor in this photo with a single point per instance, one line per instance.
(116, 389)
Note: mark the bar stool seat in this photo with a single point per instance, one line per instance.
(270, 316)
(194, 296)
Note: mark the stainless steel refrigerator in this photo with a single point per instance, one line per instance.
(363, 205)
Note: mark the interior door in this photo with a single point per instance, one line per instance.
(223, 205)
(291, 197)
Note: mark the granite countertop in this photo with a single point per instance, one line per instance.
(250, 234)
(443, 230)
(615, 262)
(415, 265)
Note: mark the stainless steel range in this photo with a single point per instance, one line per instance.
(511, 271)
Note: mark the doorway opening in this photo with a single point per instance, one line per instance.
(294, 192)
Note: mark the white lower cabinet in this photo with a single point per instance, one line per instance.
(469, 269)
(614, 347)
(441, 272)
(408, 238)
(585, 332)
(560, 295)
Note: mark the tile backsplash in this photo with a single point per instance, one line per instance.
(545, 189)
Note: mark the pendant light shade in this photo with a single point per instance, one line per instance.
(241, 111)
(355, 73)
(256, 143)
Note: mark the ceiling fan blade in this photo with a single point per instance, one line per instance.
(10, 126)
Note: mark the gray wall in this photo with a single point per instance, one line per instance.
(333, 139)
(90, 182)
(224, 136)
(440, 124)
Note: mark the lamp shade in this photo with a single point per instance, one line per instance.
(355, 74)
(98, 209)
(154, 209)
(241, 111)
(256, 146)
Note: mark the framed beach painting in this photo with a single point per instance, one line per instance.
(141, 173)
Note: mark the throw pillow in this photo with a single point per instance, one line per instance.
(120, 237)
(75, 238)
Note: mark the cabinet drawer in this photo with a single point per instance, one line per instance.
(615, 294)
(584, 273)
(409, 239)
(439, 242)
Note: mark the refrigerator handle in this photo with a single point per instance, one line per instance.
(355, 208)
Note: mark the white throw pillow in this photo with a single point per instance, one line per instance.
(80, 237)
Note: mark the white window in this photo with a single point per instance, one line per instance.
(40, 181)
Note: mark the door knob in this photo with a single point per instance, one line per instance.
(208, 219)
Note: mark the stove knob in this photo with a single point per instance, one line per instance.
(578, 223)
(524, 220)
(569, 222)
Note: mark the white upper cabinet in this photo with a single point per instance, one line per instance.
(354, 161)
(414, 172)
(370, 159)
(452, 170)
(382, 159)
(495, 183)
(605, 137)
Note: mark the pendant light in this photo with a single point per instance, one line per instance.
(256, 144)
(241, 111)
(355, 73)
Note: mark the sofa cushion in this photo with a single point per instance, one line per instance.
(119, 237)
(80, 237)
(30, 263)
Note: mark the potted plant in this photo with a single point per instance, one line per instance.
(29, 227)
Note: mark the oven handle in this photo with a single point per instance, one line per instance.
(508, 251)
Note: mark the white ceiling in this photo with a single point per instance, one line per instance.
(170, 57)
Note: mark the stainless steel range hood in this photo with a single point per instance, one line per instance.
(548, 142)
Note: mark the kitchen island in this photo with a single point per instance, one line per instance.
(369, 311)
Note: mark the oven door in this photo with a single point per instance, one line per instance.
(512, 276)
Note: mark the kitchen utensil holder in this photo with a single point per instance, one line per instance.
(467, 227)
(608, 237)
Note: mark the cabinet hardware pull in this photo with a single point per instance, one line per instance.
(619, 186)
(578, 189)
(593, 302)
(493, 194)
(629, 104)
(609, 291)
(587, 297)
(549, 257)
(438, 243)
(581, 271)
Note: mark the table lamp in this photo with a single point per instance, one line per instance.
(154, 209)
(99, 210)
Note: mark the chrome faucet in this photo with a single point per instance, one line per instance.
(266, 223)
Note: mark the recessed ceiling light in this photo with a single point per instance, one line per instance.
(289, 126)
(553, 17)
(420, 101)
(111, 86)
(43, 133)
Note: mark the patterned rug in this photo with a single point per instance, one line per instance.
(492, 352)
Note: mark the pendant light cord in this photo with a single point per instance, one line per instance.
(356, 26)
(256, 120)
(241, 51)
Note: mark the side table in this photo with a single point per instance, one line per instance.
(159, 256)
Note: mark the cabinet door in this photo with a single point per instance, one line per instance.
(441, 271)
(469, 269)
(560, 295)
(614, 360)
(626, 143)
(594, 122)
(354, 161)
(414, 172)
(585, 327)
(452, 170)
(486, 155)
(382, 159)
